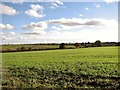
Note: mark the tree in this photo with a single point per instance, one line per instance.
(29, 49)
(98, 43)
(23, 48)
(62, 46)
(18, 49)
(93, 45)
(77, 45)
(82, 44)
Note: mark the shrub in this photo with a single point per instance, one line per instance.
(18, 49)
(77, 45)
(23, 48)
(62, 46)
(29, 49)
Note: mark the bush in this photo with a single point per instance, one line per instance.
(23, 49)
(62, 46)
(77, 45)
(18, 49)
(93, 45)
(29, 49)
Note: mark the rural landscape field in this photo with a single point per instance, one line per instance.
(59, 45)
(68, 68)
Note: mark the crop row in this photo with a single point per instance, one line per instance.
(83, 75)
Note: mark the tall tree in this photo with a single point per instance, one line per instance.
(98, 43)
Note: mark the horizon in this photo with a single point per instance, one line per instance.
(54, 43)
(48, 22)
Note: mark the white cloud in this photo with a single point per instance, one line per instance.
(35, 11)
(62, 27)
(36, 7)
(72, 22)
(55, 28)
(18, 1)
(8, 36)
(36, 26)
(7, 10)
(97, 6)
(81, 15)
(34, 33)
(56, 3)
(62, 32)
(86, 8)
(40, 0)
(12, 33)
(76, 22)
(110, 1)
(6, 27)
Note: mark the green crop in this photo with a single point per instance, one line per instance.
(68, 68)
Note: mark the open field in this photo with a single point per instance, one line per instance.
(68, 68)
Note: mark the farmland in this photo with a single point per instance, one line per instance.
(68, 68)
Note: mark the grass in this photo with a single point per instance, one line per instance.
(76, 68)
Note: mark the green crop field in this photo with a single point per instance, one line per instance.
(68, 68)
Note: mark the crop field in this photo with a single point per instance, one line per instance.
(68, 68)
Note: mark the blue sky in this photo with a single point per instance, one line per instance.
(58, 21)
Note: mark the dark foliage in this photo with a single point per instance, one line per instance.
(62, 46)
(77, 45)
(40, 47)
(98, 43)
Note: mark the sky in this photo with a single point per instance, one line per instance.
(57, 22)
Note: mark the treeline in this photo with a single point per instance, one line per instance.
(54, 46)
(97, 43)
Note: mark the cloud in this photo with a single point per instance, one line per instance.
(35, 11)
(6, 27)
(81, 15)
(56, 3)
(79, 23)
(55, 28)
(86, 8)
(8, 36)
(36, 26)
(40, 0)
(62, 27)
(59, 31)
(18, 1)
(7, 10)
(97, 6)
(110, 1)
(32, 33)
(85, 34)
(12, 33)
(76, 22)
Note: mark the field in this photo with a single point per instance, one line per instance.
(68, 68)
